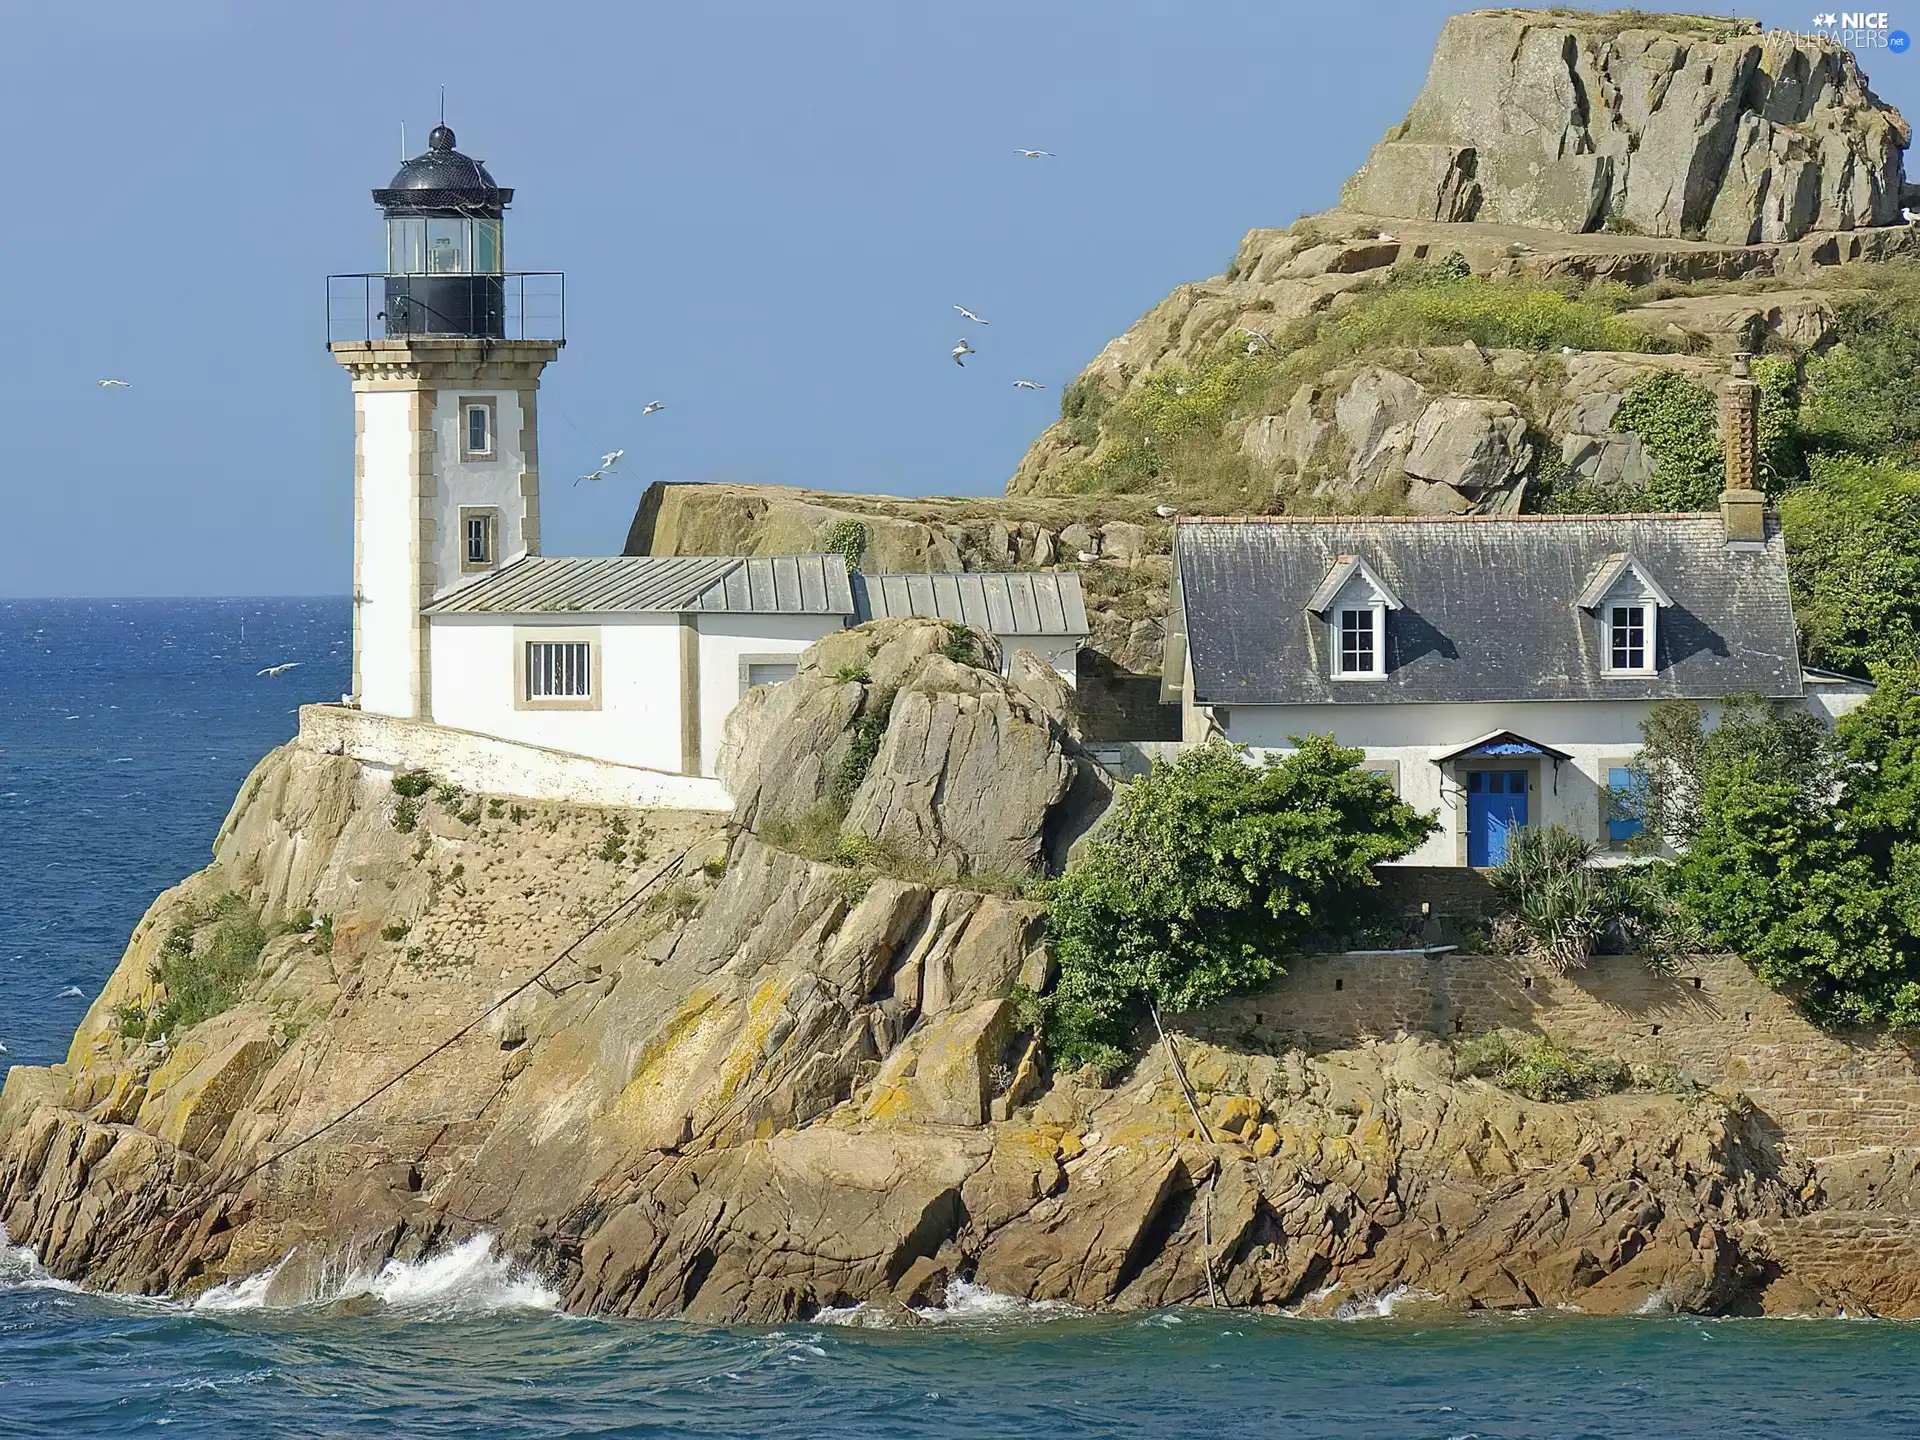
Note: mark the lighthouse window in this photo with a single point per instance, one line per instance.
(479, 537)
(446, 247)
(406, 246)
(476, 429)
(486, 247)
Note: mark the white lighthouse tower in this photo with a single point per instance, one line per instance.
(446, 469)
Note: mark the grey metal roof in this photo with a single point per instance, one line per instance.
(1023, 602)
(1490, 609)
(631, 584)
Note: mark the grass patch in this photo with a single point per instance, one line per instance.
(1538, 1068)
(413, 784)
(208, 956)
(396, 931)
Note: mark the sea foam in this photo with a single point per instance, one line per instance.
(464, 1278)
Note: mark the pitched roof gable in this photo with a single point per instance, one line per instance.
(1345, 567)
(1608, 574)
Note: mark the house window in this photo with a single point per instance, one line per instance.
(479, 538)
(771, 673)
(559, 670)
(476, 429)
(1628, 638)
(1359, 652)
(1626, 804)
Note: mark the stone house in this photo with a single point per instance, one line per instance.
(1497, 670)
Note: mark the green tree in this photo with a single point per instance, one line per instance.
(1208, 873)
(1853, 554)
(1863, 395)
(1805, 858)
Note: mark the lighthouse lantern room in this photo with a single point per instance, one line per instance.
(446, 372)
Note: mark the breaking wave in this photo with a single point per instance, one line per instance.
(20, 1269)
(462, 1279)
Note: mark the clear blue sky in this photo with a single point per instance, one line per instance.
(765, 211)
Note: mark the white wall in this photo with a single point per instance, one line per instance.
(389, 597)
(724, 639)
(486, 765)
(476, 680)
(1597, 734)
(494, 483)
(1059, 651)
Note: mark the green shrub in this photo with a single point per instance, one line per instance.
(323, 936)
(963, 646)
(851, 675)
(406, 816)
(1863, 395)
(847, 539)
(869, 729)
(398, 930)
(1853, 553)
(1207, 873)
(205, 961)
(1678, 420)
(413, 784)
(1801, 850)
(130, 1019)
(1536, 1067)
(1561, 903)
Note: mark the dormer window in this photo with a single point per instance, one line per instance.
(1628, 637)
(1352, 603)
(1626, 601)
(1359, 641)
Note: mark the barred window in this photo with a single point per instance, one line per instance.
(1628, 638)
(479, 540)
(559, 670)
(1359, 644)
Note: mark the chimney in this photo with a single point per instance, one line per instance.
(1743, 507)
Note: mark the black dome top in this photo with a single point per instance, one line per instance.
(443, 179)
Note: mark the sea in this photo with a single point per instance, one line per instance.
(126, 728)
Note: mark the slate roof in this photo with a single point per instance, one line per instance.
(1018, 603)
(635, 584)
(1490, 609)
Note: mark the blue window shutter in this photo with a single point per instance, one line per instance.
(1621, 788)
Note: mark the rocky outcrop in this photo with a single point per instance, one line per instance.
(1651, 124)
(762, 1083)
(918, 750)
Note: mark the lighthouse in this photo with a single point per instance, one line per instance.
(445, 348)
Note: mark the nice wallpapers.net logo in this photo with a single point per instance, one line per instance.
(1860, 30)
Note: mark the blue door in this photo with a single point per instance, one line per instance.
(1496, 803)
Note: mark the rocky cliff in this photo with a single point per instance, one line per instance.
(743, 1071)
(1679, 125)
(1639, 191)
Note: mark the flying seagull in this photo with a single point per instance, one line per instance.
(1035, 154)
(653, 405)
(610, 459)
(113, 384)
(971, 316)
(278, 669)
(1028, 385)
(960, 352)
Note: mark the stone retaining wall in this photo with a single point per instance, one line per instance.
(487, 765)
(1828, 1093)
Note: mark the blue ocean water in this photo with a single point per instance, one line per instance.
(126, 727)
